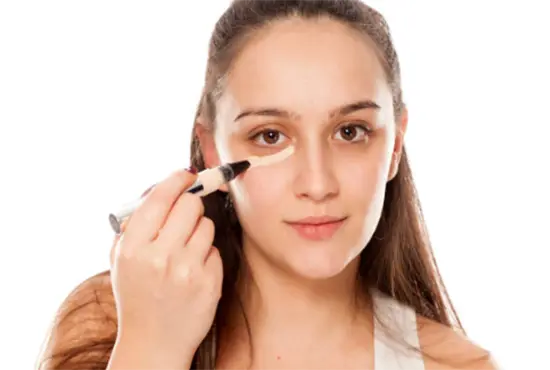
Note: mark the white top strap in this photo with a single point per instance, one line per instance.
(391, 353)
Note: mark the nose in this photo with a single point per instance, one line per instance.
(315, 179)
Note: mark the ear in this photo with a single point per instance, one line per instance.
(205, 135)
(401, 129)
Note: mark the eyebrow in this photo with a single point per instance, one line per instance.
(281, 113)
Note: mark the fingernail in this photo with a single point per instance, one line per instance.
(148, 190)
(192, 170)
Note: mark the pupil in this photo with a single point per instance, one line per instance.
(271, 137)
(349, 132)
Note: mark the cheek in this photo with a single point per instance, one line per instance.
(363, 180)
(260, 190)
(359, 168)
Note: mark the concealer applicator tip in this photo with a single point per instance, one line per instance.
(239, 167)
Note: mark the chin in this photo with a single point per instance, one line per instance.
(319, 264)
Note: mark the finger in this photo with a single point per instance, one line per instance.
(213, 265)
(150, 216)
(182, 221)
(213, 258)
(198, 246)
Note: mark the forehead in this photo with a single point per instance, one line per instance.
(305, 64)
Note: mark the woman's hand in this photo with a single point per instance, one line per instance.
(166, 275)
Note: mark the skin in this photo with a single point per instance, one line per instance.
(303, 288)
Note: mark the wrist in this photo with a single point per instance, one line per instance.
(141, 354)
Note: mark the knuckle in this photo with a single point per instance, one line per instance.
(183, 274)
(157, 263)
(154, 210)
(183, 178)
(124, 253)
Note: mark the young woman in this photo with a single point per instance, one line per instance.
(321, 261)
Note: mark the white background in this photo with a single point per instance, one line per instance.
(96, 104)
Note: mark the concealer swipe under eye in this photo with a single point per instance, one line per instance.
(267, 160)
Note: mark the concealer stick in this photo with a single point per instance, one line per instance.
(208, 181)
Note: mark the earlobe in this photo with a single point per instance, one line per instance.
(208, 147)
(398, 144)
(396, 158)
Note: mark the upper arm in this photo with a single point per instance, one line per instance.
(446, 349)
(84, 328)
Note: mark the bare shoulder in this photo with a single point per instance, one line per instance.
(447, 349)
(84, 328)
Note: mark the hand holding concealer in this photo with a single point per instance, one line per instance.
(165, 273)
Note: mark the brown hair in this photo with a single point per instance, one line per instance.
(398, 260)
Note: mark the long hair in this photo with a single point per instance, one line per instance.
(398, 260)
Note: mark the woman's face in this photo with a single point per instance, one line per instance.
(318, 86)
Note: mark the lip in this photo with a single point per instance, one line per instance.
(317, 228)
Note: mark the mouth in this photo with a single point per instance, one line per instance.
(317, 228)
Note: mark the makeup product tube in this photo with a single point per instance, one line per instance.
(208, 181)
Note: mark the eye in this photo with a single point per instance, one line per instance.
(352, 132)
(268, 137)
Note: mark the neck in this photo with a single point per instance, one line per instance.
(272, 296)
(287, 313)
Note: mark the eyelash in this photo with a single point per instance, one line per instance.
(358, 125)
